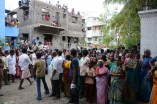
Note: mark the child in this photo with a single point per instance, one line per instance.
(90, 75)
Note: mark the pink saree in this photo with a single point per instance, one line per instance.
(102, 86)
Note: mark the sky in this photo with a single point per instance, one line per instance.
(89, 7)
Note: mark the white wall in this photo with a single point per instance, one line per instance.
(149, 31)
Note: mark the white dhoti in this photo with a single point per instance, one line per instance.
(12, 69)
(25, 74)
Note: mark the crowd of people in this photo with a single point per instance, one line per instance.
(118, 76)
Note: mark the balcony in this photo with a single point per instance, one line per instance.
(97, 33)
(24, 4)
(11, 31)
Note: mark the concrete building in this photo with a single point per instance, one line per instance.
(94, 35)
(51, 23)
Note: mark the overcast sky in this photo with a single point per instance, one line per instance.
(92, 7)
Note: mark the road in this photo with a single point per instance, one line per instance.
(28, 95)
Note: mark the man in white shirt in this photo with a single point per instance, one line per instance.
(55, 76)
(33, 57)
(11, 65)
(84, 65)
(24, 62)
(63, 54)
(60, 69)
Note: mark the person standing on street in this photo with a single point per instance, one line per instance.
(11, 65)
(55, 77)
(60, 69)
(83, 69)
(1, 73)
(5, 68)
(24, 62)
(74, 67)
(39, 69)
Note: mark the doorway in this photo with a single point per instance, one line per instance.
(48, 39)
(25, 36)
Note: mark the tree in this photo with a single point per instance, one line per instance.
(126, 23)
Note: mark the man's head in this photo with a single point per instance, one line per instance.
(64, 50)
(79, 55)
(73, 52)
(67, 57)
(147, 53)
(39, 54)
(11, 52)
(24, 50)
(37, 38)
(85, 53)
(59, 53)
(54, 54)
(102, 50)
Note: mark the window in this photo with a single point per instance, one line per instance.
(64, 15)
(45, 14)
(63, 38)
(26, 14)
(83, 20)
(89, 39)
(74, 19)
(89, 28)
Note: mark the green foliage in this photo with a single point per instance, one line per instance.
(125, 24)
(107, 39)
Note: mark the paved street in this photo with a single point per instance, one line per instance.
(28, 96)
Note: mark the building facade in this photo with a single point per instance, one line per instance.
(52, 24)
(94, 35)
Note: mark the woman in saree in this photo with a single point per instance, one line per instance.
(137, 76)
(146, 84)
(129, 90)
(117, 82)
(153, 97)
(102, 83)
(66, 79)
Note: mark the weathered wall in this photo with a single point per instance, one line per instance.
(35, 17)
(149, 31)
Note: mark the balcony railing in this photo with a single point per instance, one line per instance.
(11, 22)
(11, 31)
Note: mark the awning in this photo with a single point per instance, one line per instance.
(12, 13)
(48, 27)
(7, 11)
